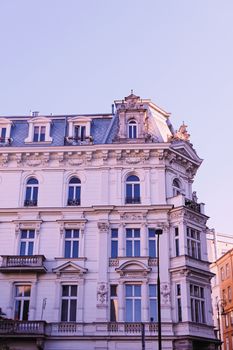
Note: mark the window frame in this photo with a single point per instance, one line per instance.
(20, 302)
(132, 129)
(114, 305)
(135, 300)
(197, 303)
(153, 299)
(75, 188)
(27, 244)
(131, 249)
(132, 189)
(69, 298)
(31, 192)
(74, 243)
(193, 243)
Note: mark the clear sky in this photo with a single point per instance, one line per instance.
(77, 56)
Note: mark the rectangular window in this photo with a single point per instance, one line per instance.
(133, 302)
(152, 242)
(226, 320)
(113, 303)
(229, 293)
(80, 132)
(231, 317)
(227, 270)
(22, 301)
(193, 243)
(153, 306)
(69, 303)
(114, 243)
(39, 133)
(224, 295)
(71, 244)
(26, 242)
(222, 273)
(177, 245)
(197, 301)
(132, 242)
(3, 135)
(179, 302)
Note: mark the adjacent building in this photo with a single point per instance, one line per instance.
(82, 199)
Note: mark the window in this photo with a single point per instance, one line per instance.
(222, 273)
(229, 293)
(31, 192)
(227, 271)
(71, 243)
(27, 242)
(153, 306)
(177, 245)
(176, 187)
(132, 189)
(39, 133)
(226, 320)
(224, 295)
(133, 302)
(113, 303)
(69, 303)
(74, 191)
(22, 301)
(132, 129)
(179, 302)
(197, 304)
(114, 243)
(193, 243)
(231, 317)
(152, 242)
(80, 132)
(2, 135)
(132, 242)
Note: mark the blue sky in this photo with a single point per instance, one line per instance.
(73, 56)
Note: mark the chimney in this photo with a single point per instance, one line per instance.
(35, 113)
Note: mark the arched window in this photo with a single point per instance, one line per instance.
(132, 189)
(31, 195)
(74, 191)
(176, 187)
(132, 129)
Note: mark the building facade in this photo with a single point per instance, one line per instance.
(82, 198)
(220, 247)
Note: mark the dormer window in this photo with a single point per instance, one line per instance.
(39, 133)
(79, 131)
(132, 129)
(39, 130)
(5, 130)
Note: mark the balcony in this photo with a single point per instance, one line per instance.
(73, 202)
(26, 263)
(27, 328)
(78, 141)
(180, 200)
(30, 202)
(132, 200)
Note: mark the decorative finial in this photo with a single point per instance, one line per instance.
(131, 91)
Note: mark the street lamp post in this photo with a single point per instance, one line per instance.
(158, 233)
(221, 303)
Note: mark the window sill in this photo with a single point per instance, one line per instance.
(38, 142)
(71, 259)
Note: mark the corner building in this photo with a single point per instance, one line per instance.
(81, 199)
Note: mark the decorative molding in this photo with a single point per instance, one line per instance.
(103, 226)
(28, 225)
(102, 294)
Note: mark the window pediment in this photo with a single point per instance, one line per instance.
(39, 130)
(70, 268)
(133, 268)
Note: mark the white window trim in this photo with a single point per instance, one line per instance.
(79, 121)
(39, 121)
(5, 123)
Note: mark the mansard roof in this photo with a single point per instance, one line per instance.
(152, 121)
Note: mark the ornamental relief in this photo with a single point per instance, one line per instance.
(102, 294)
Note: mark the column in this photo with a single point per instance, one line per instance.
(144, 240)
(10, 306)
(102, 282)
(145, 304)
(80, 300)
(121, 299)
(121, 239)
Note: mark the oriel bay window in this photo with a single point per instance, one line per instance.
(22, 301)
(69, 303)
(193, 243)
(133, 302)
(27, 242)
(132, 190)
(74, 191)
(71, 243)
(132, 242)
(31, 195)
(197, 301)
